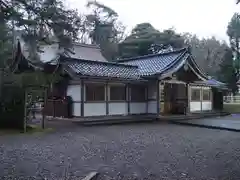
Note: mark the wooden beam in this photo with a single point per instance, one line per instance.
(189, 97)
(82, 98)
(107, 98)
(128, 98)
(201, 97)
(158, 98)
(146, 99)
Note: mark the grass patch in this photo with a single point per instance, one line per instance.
(232, 108)
(30, 130)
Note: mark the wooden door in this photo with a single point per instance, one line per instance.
(167, 98)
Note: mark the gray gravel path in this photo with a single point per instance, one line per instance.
(153, 151)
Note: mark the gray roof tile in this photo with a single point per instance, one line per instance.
(154, 64)
(103, 69)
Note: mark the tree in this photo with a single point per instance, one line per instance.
(145, 39)
(6, 46)
(227, 73)
(39, 20)
(104, 28)
(208, 52)
(233, 32)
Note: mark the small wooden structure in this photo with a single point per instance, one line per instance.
(158, 84)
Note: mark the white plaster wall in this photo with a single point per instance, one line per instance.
(76, 109)
(195, 106)
(152, 107)
(138, 108)
(75, 92)
(206, 105)
(118, 108)
(94, 109)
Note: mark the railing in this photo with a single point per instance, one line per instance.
(231, 99)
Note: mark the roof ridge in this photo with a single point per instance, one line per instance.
(101, 62)
(152, 55)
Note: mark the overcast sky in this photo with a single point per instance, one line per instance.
(202, 17)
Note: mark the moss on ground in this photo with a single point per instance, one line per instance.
(30, 130)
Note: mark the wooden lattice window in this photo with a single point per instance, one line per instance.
(206, 95)
(195, 94)
(117, 92)
(95, 92)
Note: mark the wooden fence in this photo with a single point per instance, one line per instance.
(231, 99)
(58, 108)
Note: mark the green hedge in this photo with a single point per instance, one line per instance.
(232, 108)
(12, 108)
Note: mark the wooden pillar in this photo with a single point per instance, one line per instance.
(158, 98)
(82, 98)
(146, 95)
(189, 97)
(107, 98)
(201, 97)
(187, 100)
(128, 98)
(211, 97)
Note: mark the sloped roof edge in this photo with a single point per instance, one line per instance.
(99, 62)
(152, 55)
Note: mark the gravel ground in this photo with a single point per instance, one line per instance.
(146, 151)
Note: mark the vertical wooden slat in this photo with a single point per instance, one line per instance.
(189, 97)
(201, 97)
(107, 98)
(128, 98)
(146, 94)
(82, 98)
(158, 98)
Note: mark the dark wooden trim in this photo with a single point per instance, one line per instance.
(82, 97)
(128, 99)
(138, 101)
(95, 101)
(117, 101)
(146, 94)
(111, 79)
(201, 96)
(151, 99)
(76, 101)
(107, 98)
(188, 98)
(158, 98)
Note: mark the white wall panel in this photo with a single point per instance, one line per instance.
(138, 108)
(75, 92)
(152, 107)
(94, 109)
(195, 106)
(118, 108)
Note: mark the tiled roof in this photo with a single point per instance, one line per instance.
(87, 52)
(103, 69)
(213, 83)
(156, 63)
(50, 52)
